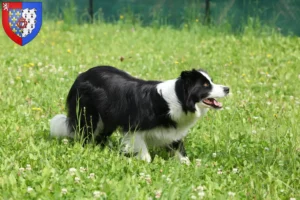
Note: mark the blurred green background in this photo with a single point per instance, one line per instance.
(233, 15)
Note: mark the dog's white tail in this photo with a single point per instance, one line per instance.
(59, 126)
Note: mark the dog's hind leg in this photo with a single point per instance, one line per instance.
(134, 143)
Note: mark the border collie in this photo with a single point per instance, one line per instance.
(150, 113)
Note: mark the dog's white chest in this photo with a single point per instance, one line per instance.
(164, 136)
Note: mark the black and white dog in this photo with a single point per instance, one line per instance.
(150, 113)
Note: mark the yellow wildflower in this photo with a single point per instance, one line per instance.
(18, 77)
(269, 55)
(69, 50)
(31, 64)
(176, 62)
(197, 20)
(121, 17)
(36, 109)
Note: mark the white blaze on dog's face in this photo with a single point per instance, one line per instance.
(201, 91)
(216, 91)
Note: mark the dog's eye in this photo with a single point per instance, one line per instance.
(205, 84)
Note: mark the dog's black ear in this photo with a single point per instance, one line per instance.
(190, 104)
(188, 74)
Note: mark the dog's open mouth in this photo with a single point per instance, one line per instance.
(212, 102)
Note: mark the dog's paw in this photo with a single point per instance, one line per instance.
(145, 156)
(185, 160)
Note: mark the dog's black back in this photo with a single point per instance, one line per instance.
(116, 99)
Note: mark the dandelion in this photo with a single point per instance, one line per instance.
(235, 170)
(64, 191)
(69, 50)
(176, 62)
(231, 194)
(77, 179)
(72, 171)
(157, 194)
(28, 167)
(121, 17)
(269, 55)
(243, 75)
(214, 155)
(36, 109)
(29, 189)
(197, 20)
(65, 141)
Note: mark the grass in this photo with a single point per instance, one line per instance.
(249, 150)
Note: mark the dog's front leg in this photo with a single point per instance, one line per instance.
(135, 144)
(179, 150)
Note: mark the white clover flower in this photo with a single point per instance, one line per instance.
(198, 162)
(72, 171)
(29, 189)
(39, 64)
(214, 155)
(292, 198)
(253, 131)
(201, 194)
(82, 169)
(148, 178)
(231, 194)
(169, 180)
(219, 171)
(91, 176)
(193, 197)
(267, 149)
(12, 82)
(65, 141)
(235, 170)
(77, 179)
(28, 167)
(21, 169)
(97, 194)
(200, 188)
(157, 194)
(142, 174)
(64, 191)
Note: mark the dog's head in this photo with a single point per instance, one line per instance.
(201, 91)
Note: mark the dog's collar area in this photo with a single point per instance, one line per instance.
(212, 102)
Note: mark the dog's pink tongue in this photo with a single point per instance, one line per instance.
(217, 103)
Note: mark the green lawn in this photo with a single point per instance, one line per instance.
(248, 150)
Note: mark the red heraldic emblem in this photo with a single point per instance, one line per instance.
(22, 21)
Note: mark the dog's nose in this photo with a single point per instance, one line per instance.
(226, 90)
